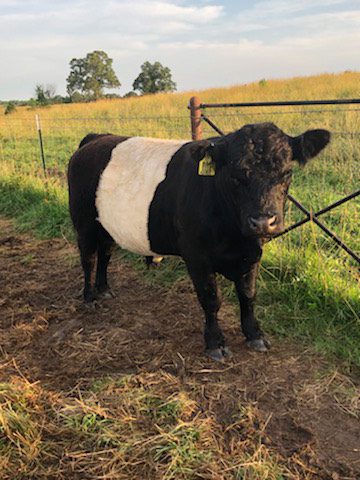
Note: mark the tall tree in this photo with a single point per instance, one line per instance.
(154, 78)
(90, 75)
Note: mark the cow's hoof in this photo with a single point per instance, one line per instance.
(219, 354)
(89, 297)
(259, 345)
(107, 294)
(92, 306)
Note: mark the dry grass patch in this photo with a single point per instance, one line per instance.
(137, 426)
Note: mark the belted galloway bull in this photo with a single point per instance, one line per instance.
(213, 202)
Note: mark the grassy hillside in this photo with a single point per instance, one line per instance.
(309, 289)
(166, 116)
(344, 85)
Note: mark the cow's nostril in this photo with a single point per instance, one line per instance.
(272, 221)
(263, 224)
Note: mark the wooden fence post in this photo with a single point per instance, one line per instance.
(195, 118)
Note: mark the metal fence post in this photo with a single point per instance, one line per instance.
(38, 127)
(195, 118)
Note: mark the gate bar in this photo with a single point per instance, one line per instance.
(281, 103)
(325, 229)
(318, 214)
(207, 120)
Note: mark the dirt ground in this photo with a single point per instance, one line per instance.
(48, 335)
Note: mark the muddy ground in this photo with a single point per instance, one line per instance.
(48, 335)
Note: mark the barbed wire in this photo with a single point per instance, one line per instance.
(173, 117)
(156, 123)
(153, 130)
(181, 134)
(95, 119)
(350, 134)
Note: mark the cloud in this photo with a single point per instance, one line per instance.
(124, 14)
(283, 8)
(164, 10)
(217, 45)
(281, 14)
(229, 63)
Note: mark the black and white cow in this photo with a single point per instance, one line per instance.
(152, 197)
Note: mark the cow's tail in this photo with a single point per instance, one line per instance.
(90, 137)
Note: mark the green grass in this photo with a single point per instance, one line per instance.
(308, 287)
(36, 205)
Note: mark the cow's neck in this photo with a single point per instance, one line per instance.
(230, 220)
(228, 226)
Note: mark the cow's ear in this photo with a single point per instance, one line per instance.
(201, 148)
(213, 151)
(309, 144)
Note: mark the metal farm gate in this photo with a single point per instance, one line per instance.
(197, 116)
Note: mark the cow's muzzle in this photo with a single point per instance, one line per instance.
(265, 225)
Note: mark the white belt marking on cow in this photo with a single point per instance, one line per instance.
(127, 187)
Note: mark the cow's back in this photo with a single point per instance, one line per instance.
(127, 187)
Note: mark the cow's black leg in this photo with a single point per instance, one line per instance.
(246, 291)
(87, 245)
(206, 289)
(149, 261)
(104, 248)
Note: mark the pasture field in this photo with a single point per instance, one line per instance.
(104, 395)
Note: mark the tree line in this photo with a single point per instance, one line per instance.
(91, 75)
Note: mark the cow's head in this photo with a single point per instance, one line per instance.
(254, 170)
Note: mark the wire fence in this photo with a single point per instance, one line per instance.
(28, 146)
(43, 141)
(43, 147)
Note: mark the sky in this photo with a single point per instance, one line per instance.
(207, 43)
